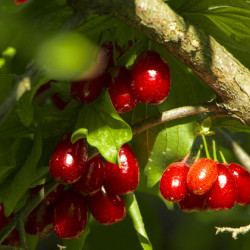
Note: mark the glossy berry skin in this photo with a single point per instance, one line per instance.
(193, 202)
(125, 178)
(242, 181)
(223, 193)
(68, 161)
(106, 207)
(120, 90)
(70, 215)
(150, 78)
(13, 238)
(87, 91)
(93, 177)
(173, 182)
(201, 176)
(17, 2)
(39, 221)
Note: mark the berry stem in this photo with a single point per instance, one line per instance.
(199, 152)
(214, 150)
(222, 157)
(186, 158)
(205, 146)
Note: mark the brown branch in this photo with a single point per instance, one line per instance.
(207, 58)
(174, 114)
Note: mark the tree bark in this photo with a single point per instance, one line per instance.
(190, 44)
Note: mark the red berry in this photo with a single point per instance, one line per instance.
(120, 91)
(125, 178)
(223, 193)
(242, 181)
(70, 215)
(86, 91)
(150, 78)
(193, 202)
(92, 179)
(17, 2)
(39, 221)
(13, 238)
(68, 161)
(173, 182)
(201, 176)
(58, 102)
(106, 207)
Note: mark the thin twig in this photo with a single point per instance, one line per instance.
(174, 114)
(234, 231)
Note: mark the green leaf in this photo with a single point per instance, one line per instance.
(172, 144)
(23, 177)
(77, 244)
(25, 109)
(32, 241)
(104, 127)
(12, 126)
(231, 124)
(5, 85)
(227, 21)
(128, 58)
(135, 214)
(54, 122)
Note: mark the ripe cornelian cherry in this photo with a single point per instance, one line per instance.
(92, 178)
(201, 176)
(122, 179)
(70, 215)
(193, 202)
(106, 207)
(150, 78)
(120, 90)
(68, 161)
(173, 182)
(39, 221)
(242, 181)
(13, 238)
(87, 91)
(17, 2)
(223, 193)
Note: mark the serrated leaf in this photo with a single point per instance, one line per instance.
(77, 244)
(135, 214)
(107, 131)
(172, 144)
(23, 177)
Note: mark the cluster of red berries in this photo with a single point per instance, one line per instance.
(206, 185)
(147, 82)
(91, 185)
